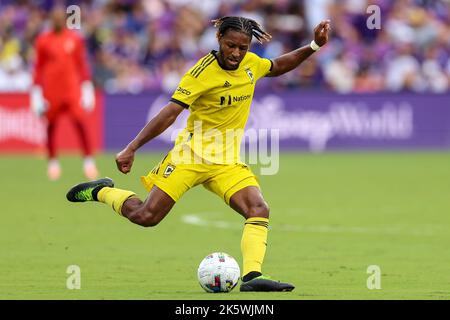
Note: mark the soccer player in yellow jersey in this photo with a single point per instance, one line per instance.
(217, 91)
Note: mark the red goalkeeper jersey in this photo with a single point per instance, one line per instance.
(61, 65)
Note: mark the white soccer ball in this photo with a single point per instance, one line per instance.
(218, 272)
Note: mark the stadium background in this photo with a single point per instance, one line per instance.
(364, 133)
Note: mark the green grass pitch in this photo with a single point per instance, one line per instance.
(332, 216)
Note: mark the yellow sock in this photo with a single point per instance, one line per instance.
(114, 197)
(253, 244)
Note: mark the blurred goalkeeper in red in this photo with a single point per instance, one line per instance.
(62, 84)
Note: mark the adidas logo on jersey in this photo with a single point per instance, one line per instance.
(227, 84)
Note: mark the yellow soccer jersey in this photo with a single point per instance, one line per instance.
(219, 101)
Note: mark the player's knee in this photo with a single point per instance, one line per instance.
(146, 218)
(260, 209)
(149, 221)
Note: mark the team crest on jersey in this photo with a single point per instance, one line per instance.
(169, 169)
(250, 74)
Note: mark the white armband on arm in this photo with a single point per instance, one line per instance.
(314, 46)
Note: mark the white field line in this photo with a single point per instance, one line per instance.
(198, 220)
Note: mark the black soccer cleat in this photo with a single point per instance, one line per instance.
(87, 191)
(265, 284)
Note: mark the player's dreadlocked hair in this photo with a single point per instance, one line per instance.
(248, 26)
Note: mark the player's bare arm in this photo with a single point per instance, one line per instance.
(293, 59)
(164, 119)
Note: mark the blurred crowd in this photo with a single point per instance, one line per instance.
(135, 46)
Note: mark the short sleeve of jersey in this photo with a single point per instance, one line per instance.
(188, 90)
(264, 66)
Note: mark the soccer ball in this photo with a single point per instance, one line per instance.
(218, 272)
